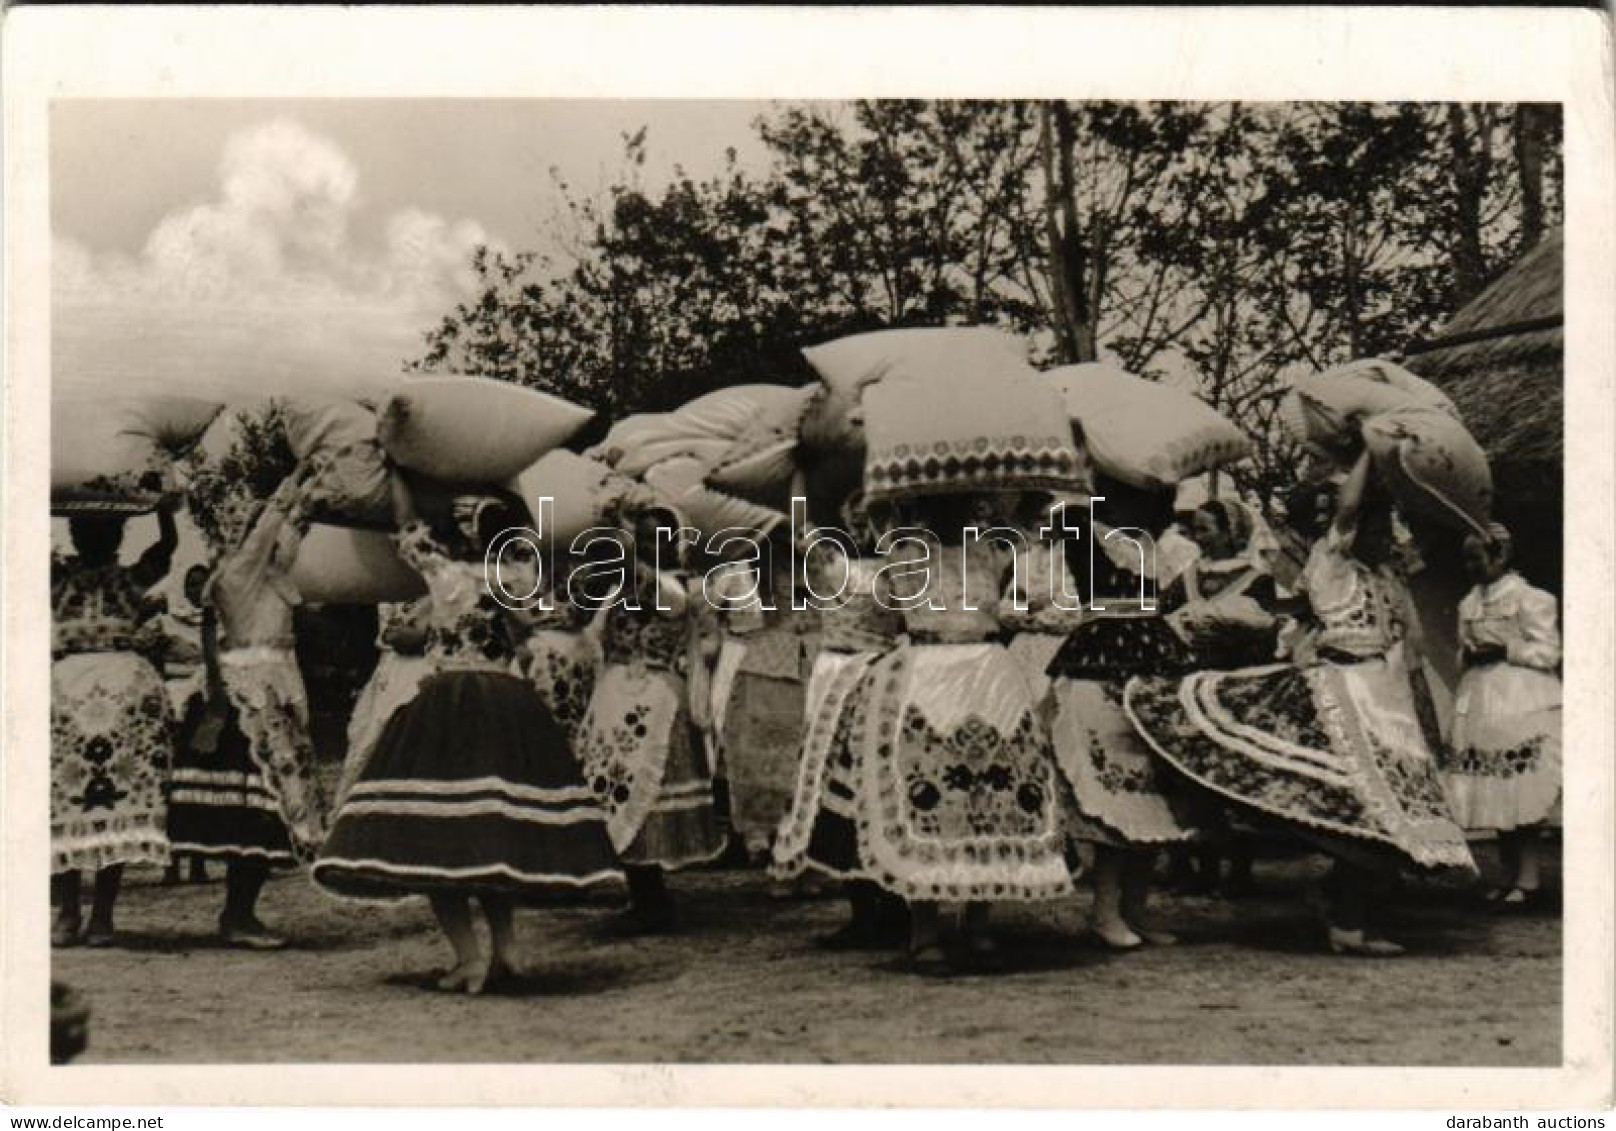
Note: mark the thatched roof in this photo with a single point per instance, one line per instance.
(1501, 359)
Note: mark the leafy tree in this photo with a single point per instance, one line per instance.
(1224, 247)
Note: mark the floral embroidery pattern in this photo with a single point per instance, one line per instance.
(466, 623)
(959, 812)
(624, 742)
(1295, 743)
(974, 781)
(562, 669)
(110, 747)
(274, 715)
(1509, 762)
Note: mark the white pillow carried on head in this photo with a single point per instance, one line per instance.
(473, 429)
(832, 428)
(338, 565)
(1329, 407)
(679, 483)
(1142, 432)
(1433, 466)
(102, 447)
(762, 461)
(580, 490)
(705, 428)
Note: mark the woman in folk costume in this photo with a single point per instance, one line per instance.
(639, 749)
(957, 776)
(762, 713)
(401, 665)
(110, 724)
(1503, 765)
(1125, 805)
(252, 593)
(1330, 744)
(472, 789)
(821, 831)
(1224, 604)
(220, 805)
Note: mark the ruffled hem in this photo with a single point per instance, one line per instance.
(1113, 777)
(677, 839)
(1494, 805)
(145, 846)
(382, 881)
(1156, 707)
(223, 851)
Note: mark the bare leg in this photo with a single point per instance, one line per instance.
(1108, 925)
(454, 918)
(1519, 847)
(501, 916)
(1137, 869)
(65, 893)
(107, 882)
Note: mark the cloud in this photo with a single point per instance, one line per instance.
(263, 288)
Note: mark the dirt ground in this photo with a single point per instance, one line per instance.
(744, 982)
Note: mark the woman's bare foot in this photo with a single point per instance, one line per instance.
(464, 977)
(1115, 935)
(1156, 938)
(250, 934)
(1358, 944)
(67, 932)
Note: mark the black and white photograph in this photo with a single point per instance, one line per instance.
(820, 581)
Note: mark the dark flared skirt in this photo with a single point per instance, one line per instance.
(473, 788)
(219, 805)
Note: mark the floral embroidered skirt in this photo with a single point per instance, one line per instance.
(1120, 792)
(641, 758)
(761, 739)
(472, 788)
(266, 690)
(111, 739)
(1503, 765)
(821, 828)
(219, 805)
(957, 784)
(1334, 751)
(394, 683)
(561, 666)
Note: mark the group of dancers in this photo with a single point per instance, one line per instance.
(947, 736)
